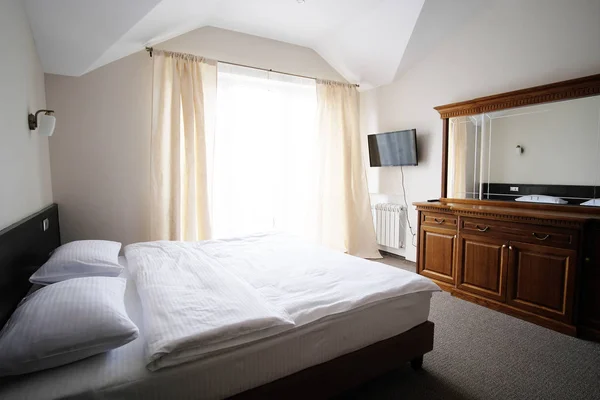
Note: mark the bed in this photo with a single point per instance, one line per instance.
(319, 358)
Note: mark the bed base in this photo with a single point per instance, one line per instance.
(333, 377)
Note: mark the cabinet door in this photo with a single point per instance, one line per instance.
(542, 280)
(482, 266)
(436, 253)
(590, 300)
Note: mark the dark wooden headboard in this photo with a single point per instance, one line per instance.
(24, 247)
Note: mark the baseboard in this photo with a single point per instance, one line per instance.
(588, 333)
(446, 287)
(391, 250)
(394, 255)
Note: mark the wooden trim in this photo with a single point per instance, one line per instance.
(333, 377)
(446, 287)
(499, 213)
(436, 207)
(565, 90)
(592, 212)
(445, 130)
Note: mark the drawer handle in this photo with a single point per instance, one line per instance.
(440, 221)
(540, 238)
(482, 229)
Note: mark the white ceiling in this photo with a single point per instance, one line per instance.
(364, 40)
(70, 35)
(439, 19)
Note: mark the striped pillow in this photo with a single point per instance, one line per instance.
(65, 322)
(80, 259)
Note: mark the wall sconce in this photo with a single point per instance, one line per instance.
(45, 123)
(519, 150)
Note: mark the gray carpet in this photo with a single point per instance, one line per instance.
(483, 354)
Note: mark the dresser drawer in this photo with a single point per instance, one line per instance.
(435, 219)
(538, 234)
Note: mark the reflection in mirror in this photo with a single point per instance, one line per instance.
(546, 153)
(464, 143)
(550, 149)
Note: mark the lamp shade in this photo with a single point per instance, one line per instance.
(46, 124)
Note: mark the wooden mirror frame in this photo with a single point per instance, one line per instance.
(559, 91)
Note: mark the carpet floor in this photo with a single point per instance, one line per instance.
(479, 353)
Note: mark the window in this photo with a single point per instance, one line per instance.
(264, 167)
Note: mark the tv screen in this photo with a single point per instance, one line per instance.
(393, 148)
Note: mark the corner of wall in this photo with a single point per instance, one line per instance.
(24, 155)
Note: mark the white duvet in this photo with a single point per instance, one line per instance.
(200, 298)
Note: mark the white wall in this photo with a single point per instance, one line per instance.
(24, 159)
(514, 45)
(100, 153)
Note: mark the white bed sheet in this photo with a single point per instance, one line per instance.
(202, 298)
(121, 373)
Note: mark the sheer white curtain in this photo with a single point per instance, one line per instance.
(184, 97)
(344, 210)
(457, 157)
(264, 158)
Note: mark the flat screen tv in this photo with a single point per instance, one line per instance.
(393, 148)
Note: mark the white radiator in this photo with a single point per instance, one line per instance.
(389, 225)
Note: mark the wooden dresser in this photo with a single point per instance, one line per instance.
(517, 225)
(541, 266)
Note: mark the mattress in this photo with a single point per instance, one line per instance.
(121, 373)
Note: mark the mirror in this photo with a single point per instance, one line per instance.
(464, 157)
(527, 154)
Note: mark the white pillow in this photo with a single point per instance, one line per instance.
(592, 202)
(65, 322)
(80, 259)
(538, 198)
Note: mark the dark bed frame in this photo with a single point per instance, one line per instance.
(25, 246)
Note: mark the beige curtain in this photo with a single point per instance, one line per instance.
(183, 110)
(344, 210)
(457, 157)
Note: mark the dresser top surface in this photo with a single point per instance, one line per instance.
(505, 210)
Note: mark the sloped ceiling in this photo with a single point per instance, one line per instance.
(70, 35)
(364, 40)
(438, 20)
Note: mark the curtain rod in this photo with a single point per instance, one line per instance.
(151, 49)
